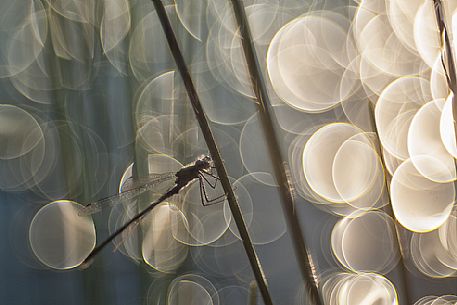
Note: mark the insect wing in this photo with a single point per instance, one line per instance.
(149, 182)
(130, 189)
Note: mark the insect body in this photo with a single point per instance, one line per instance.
(199, 169)
(190, 172)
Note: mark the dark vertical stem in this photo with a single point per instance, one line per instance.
(279, 166)
(446, 46)
(388, 209)
(214, 151)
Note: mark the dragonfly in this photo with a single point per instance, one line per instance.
(199, 170)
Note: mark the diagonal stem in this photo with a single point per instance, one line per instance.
(214, 151)
(446, 47)
(279, 166)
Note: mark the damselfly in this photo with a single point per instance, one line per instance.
(201, 169)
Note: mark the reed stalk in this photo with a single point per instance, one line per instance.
(214, 151)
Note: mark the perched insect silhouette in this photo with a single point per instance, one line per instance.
(200, 169)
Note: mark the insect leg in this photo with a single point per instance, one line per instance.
(203, 173)
(202, 196)
(221, 200)
(210, 174)
(205, 200)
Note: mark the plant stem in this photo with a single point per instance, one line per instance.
(446, 47)
(279, 166)
(214, 151)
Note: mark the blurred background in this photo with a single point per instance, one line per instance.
(90, 97)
